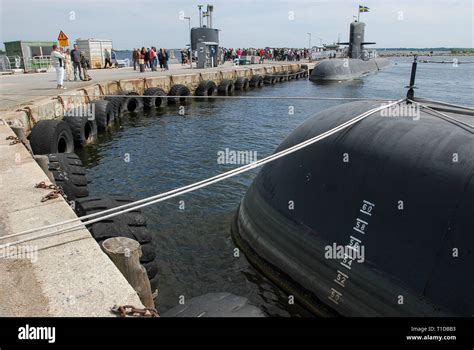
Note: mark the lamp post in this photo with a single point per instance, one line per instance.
(190, 43)
(309, 45)
(200, 15)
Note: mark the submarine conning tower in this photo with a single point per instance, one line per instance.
(356, 39)
(359, 63)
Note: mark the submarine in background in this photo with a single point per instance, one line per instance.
(357, 63)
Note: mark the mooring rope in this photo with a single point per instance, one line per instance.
(443, 116)
(78, 222)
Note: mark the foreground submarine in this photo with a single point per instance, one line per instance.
(399, 188)
(356, 65)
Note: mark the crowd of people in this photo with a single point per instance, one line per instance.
(150, 58)
(271, 54)
(74, 61)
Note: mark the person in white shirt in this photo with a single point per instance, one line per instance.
(57, 60)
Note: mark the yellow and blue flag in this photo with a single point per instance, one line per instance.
(363, 8)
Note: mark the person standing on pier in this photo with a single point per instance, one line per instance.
(57, 60)
(135, 57)
(108, 62)
(67, 65)
(164, 54)
(85, 65)
(146, 53)
(76, 61)
(152, 58)
(160, 58)
(141, 60)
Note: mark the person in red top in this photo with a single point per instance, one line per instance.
(152, 57)
(239, 52)
(262, 55)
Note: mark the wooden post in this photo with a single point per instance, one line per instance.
(125, 254)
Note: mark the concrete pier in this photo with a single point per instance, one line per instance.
(32, 97)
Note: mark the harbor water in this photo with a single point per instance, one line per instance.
(150, 152)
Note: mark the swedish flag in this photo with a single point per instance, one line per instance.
(205, 14)
(363, 8)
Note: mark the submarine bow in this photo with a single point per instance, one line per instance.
(397, 190)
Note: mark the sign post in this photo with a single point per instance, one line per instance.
(63, 39)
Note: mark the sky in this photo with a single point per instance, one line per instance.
(243, 23)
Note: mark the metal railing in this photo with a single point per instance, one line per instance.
(5, 64)
(29, 64)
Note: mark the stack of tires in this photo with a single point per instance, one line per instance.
(56, 139)
(68, 173)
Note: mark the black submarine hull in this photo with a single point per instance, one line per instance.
(402, 188)
(347, 68)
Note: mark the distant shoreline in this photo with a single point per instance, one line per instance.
(404, 53)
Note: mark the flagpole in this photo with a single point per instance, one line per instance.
(358, 14)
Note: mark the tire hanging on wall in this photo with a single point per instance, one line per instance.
(157, 98)
(226, 87)
(130, 103)
(269, 79)
(84, 130)
(177, 94)
(131, 225)
(51, 136)
(241, 83)
(256, 81)
(69, 173)
(206, 88)
(116, 105)
(104, 114)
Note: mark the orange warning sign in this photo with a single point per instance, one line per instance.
(63, 39)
